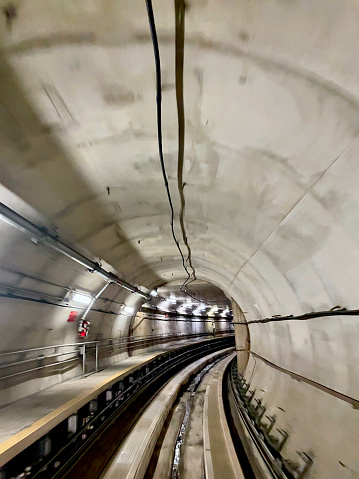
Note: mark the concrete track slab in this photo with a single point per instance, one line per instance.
(220, 457)
(133, 456)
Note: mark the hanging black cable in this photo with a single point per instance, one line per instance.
(336, 311)
(179, 46)
(159, 121)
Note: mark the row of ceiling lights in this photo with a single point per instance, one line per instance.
(200, 308)
(85, 299)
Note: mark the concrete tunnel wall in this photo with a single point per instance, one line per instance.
(30, 320)
(271, 102)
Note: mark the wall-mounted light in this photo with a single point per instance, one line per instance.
(82, 298)
(128, 309)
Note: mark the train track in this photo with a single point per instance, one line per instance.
(83, 444)
(174, 439)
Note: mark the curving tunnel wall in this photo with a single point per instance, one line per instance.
(270, 171)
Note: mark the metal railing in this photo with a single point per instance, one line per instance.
(90, 355)
(12, 360)
(52, 453)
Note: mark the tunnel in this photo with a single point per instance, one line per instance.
(182, 174)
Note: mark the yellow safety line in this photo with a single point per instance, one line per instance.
(17, 443)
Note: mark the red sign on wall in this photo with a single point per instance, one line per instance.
(72, 316)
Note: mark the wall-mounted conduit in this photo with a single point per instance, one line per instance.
(303, 317)
(42, 236)
(343, 397)
(35, 278)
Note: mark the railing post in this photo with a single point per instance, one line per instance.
(96, 358)
(84, 360)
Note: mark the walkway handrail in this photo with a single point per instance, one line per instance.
(48, 347)
(88, 349)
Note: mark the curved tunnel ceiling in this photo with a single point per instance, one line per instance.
(271, 96)
(270, 147)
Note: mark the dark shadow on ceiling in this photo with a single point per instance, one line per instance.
(37, 167)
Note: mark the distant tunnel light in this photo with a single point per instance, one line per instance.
(82, 298)
(128, 309)
(154, 293)
(213, 310)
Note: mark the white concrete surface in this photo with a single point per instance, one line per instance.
(133, 456)
(271, 103)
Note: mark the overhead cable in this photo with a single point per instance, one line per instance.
(179, 48)
(303, 317)
(156, 51)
